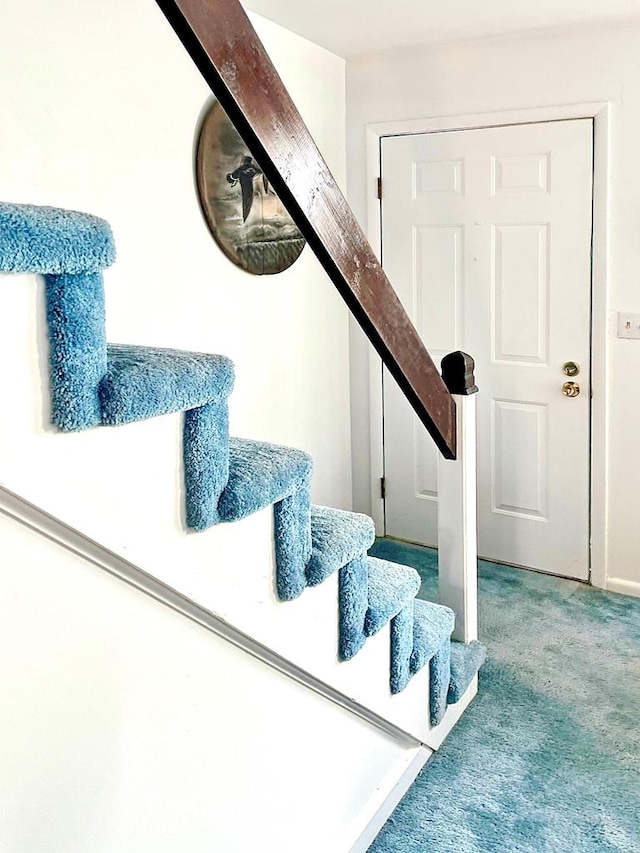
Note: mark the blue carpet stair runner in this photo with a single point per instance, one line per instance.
(94, 383)
(391, 587)
(142, 382)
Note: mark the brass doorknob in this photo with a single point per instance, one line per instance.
(570, 389)
(570, 368)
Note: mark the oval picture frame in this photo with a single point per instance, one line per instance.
(244, 214)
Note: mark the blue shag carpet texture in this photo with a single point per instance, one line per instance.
(260, 474)
(353, 602)
(432, 626)
(466, 661)
(49, 240)
(337, 538)
(401, 637)
(205, 449)
(547, 757)
(391, 588)
(77, 348)
(292, 540)
(145, 382)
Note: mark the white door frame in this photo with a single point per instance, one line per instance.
(600, 113)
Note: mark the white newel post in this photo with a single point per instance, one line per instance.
(457, 529)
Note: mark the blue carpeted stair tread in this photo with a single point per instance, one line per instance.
(432, 627)
(205, 456)
(466, 660)
(391, 587)
(439, 678)
(261, 474)
(292, 535)
(77, 347)
(143, 382)
(47, 240)
(401, 634)
(352, 606)
(337, 537)
(418, 632)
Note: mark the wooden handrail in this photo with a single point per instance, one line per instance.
(224, 45)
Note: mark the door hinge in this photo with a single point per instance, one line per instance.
(380, 189)
(383, 487)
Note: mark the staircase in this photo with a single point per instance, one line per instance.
(219, 529)
(226, 479)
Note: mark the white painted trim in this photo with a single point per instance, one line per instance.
(25, 513)
(376, 409)
(600, 113)
(457, 525)
(389, 797)
(600, 346)
(398, 781)
(623, 587)
(373, 136)
(478, 121)
(376, 438)
(383, 803)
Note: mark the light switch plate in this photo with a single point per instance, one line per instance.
(628, 325)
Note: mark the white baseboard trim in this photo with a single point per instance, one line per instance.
(624, 587)
(382, 804)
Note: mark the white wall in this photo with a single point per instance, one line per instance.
(127, 727)
(510, 73)
(99, 105)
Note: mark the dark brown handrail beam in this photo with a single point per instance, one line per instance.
(222, 42)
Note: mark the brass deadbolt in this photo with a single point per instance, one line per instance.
(570, 368)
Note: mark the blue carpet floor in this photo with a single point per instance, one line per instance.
(547, 758)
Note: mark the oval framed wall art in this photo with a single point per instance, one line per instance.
(245, 216)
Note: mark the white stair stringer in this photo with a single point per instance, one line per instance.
(132, 728)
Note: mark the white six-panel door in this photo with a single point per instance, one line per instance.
(486, 237)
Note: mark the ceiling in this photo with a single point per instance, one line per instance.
(352, 27)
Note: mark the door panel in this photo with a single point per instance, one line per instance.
(519, 432)
(438, 256)
(520, 293)
(487, 240)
